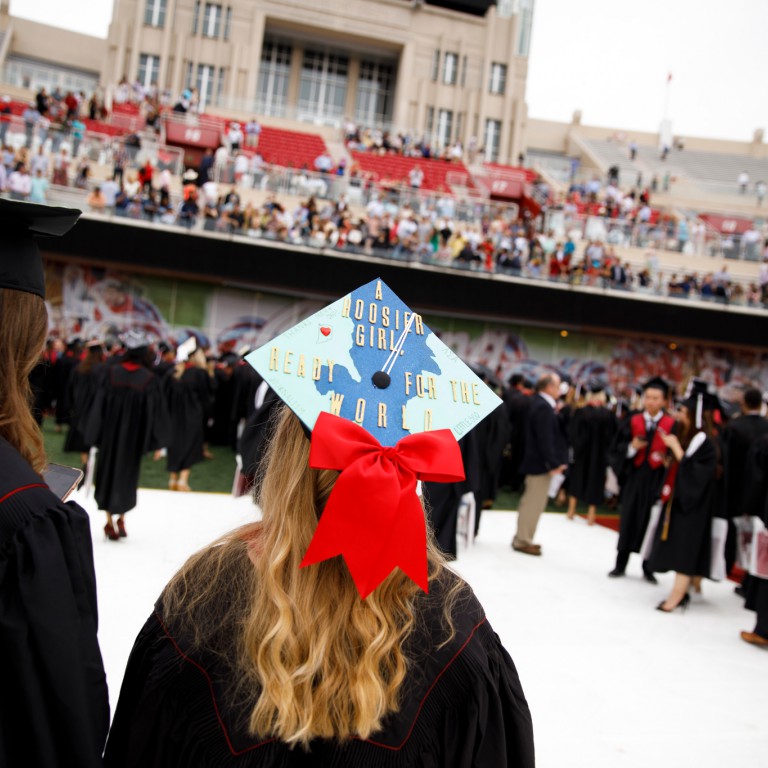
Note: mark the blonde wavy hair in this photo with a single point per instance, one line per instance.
(311, 659)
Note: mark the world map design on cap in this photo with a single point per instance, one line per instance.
(368, 358)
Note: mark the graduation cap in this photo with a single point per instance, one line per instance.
(700, 396)
(656, 383)
(134, 340)
(386, 402)
(21, 266)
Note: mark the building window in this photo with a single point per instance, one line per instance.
(492, 140)
(274, 74)
(525, 23)
(154, 13)
(220, 85)
(430, 122)
(463, 80)
(505, 8)
(149, 70)
(212, 20)
(323, 86)
(436, 65)
(459, 125)
(498, 78)
(203, 80)
(375, 91)
(444, 127)
(228, 22)
(450, 68)
(196, 18)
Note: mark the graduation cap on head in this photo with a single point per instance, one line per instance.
(700, 396)
(21, 266)
(134, 340)
(657, 383)
(385, 401)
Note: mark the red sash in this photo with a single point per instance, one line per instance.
(657, 448)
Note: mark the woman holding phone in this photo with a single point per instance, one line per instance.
(54, 709)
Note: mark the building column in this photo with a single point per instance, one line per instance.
(353, 81)
(292, 97)
(234, 73)
(404, 68)
(165, 51)
(119, 63)
(254, 56)
(138, 26)
(482, 108)
(178, 66)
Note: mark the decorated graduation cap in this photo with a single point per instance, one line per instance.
(386, 402)
(21, 266)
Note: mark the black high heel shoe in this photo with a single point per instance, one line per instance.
(682, 605)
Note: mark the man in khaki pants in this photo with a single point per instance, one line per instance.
(546, 454)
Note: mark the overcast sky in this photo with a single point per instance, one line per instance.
(608, 58)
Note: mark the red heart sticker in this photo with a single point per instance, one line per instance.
(325, 330)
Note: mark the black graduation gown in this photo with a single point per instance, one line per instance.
(688, 543)
(462, 706)
(62, 373)
(493, 435)
(591, 430)
(255, 438)
(81, 394)
(222, 431)
(128, 418)
(640, 489)
(443, 499)
(188, 399)
(54, 710)
(517, 405)
(756, 503)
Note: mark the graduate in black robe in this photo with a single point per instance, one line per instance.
(756, 504)
(738, 437)
(640, 445)
(54, 709)
(682, 540)
(444, 499)
(81, 393)
(61, 374)
(189, 392)
(591, 431)
(463, 705)
(128, 419)
(517, 400)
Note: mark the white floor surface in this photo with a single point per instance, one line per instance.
(611, 682)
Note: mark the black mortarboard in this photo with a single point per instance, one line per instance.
(21, 266)
(657, 383)
(700, 396)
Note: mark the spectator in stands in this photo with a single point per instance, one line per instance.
(240, 167)
(743, 182)
(96, 200)
(5, 116)
(252, 133)
(39, 162)
(77, 129)
(632, 149)
(324, 163)
(220, 163)
(30, 116)
(110, 190)
(760, 191)
(234, 137)
(145, 176)
(38, 188)
(750, 244)
(119, 162)
(61, 167)
(19, 183)
(83, 172)
(763, 279)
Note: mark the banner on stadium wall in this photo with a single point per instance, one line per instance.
(91, 302)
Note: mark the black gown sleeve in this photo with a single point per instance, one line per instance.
(694, 478)
(54, 709)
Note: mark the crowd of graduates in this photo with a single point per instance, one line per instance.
(136, 398)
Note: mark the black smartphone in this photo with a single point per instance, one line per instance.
(62, 480)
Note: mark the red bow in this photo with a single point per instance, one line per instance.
(373, 516)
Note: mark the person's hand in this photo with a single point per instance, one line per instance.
(638, 443)
(558, 470)
(157, 455)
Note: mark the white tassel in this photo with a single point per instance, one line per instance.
(699, 405)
